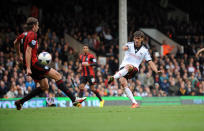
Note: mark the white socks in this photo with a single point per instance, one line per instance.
(130, 95)
(120, 73)
(128, 92)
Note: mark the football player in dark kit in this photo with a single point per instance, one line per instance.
(27, 44)
(87, 73)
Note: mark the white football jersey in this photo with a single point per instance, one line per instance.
(134, 56)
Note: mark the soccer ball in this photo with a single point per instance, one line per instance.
(45, 58)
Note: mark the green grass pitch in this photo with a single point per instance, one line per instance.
(110, 118)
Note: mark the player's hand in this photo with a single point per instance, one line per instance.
(28, 71)
(197, 54)
(159, 72)
(20, 59)
(125, 48)
(85, 63)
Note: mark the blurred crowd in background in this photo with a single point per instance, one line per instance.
(96, 23)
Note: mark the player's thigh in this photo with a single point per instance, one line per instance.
(54, 74)
(123, 81)
(129, 67)
(39, 71)
(44, 84)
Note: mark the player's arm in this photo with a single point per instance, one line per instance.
(17, 47)
(153, 67)
(80, 63)
(151, 63)
(28, 60)
(28, 54)
(199, 51)
(93, 60)
(125, 47)
(18, 51)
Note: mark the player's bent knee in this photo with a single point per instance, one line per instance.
(129, 67)
(54, 74)
(123, 81)
(58, 76)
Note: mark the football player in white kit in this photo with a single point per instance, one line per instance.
(135, 52)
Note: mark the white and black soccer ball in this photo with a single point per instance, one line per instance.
(45, 58)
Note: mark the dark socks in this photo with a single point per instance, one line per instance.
(63, 88)
(97, 94)
(32, 94)
(81, 93)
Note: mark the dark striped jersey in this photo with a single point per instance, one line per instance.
(88, 70)
(28, 39)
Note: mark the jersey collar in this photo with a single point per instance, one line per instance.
(137, 48)
(86, 53)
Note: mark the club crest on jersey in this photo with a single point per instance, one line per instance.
(94, 60)
(33, 42)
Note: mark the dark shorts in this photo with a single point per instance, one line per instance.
(131, 73)
(85, 79)
(39, 71)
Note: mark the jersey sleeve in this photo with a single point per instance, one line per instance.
(32, 40)
(128, 45)
(19, 37)
(80, 58)
(147, 56)
(93, 59)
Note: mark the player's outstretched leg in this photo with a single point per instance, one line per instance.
(61, 85)
(76, 101)
(131, 97)
(43, 86)
(33, 93)
(128, 92)
(120, 73)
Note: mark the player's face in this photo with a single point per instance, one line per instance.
(36, 27)
(138, 40)
(85, 49)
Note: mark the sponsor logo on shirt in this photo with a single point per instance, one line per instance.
(135, 56)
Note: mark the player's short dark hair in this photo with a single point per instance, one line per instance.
(86, 45)
(139, 34)
(30, 22)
